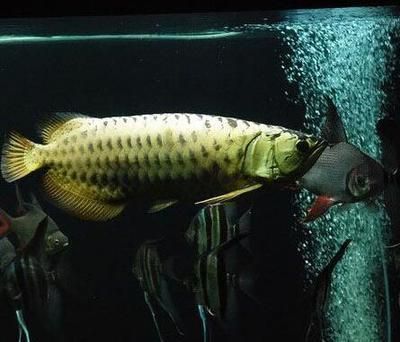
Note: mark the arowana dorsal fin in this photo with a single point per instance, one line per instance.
(59, 124)
(77, 200)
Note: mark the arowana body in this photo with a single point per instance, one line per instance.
(94, 166)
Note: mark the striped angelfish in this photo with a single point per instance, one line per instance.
(148, 269)
(217, 224)
(25, 282)
(95, 166)
(214, 230)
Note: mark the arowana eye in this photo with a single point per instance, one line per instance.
(302, 146)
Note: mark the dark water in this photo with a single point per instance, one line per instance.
(227, 64)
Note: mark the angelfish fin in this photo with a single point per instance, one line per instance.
(20, 200)
(319, 207)
(36, 247)
(333, 131)
(22, 327)
(161, 205)
(230, 195)
(59, 124)
(77, 200)
(153, 314)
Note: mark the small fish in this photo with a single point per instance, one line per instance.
(95, 166)
(388, 130)
(215, 231)
(24, 226)
(342, 173)
(148, 269)
(28, 267)
(7, 253)
(315, 331)
(25, 282)
(216, 224)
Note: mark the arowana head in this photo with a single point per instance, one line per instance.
(284, 156)
(295, 153)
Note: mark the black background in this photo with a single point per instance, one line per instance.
(48, 8)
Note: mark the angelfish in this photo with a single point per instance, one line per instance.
(342, 173)
(320, 294)
(24, 226)
(25, 282)
(388, 130)
(94, 166)
(28, 268)
(223, 263)
(148, 268)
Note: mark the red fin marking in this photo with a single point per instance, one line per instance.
(4, 224)
(319, 207)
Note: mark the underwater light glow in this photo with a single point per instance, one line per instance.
(349, 61)
(14, 39)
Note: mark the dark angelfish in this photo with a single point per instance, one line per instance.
(27, 265)
(7, 253)
(388, 130)
(342, 173)
(148, 269)
(25, 282)
(24, 225)
(320, 294)
(216, 232)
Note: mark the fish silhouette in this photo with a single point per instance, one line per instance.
(28, 269)
(223, 263)
(320, 294)
(342, 173)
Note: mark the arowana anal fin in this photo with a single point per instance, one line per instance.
(59, 124)
(230, 195)
(79, 202)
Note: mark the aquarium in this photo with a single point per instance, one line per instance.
(256, 105)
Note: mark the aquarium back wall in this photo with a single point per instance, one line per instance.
(128, 66)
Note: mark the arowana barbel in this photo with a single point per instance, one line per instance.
(95, 166)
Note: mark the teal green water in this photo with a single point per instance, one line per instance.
(350, 61)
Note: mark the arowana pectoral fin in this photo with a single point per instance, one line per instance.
(230, 195)
(161, 205)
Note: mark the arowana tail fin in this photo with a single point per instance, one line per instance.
(14, 161)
